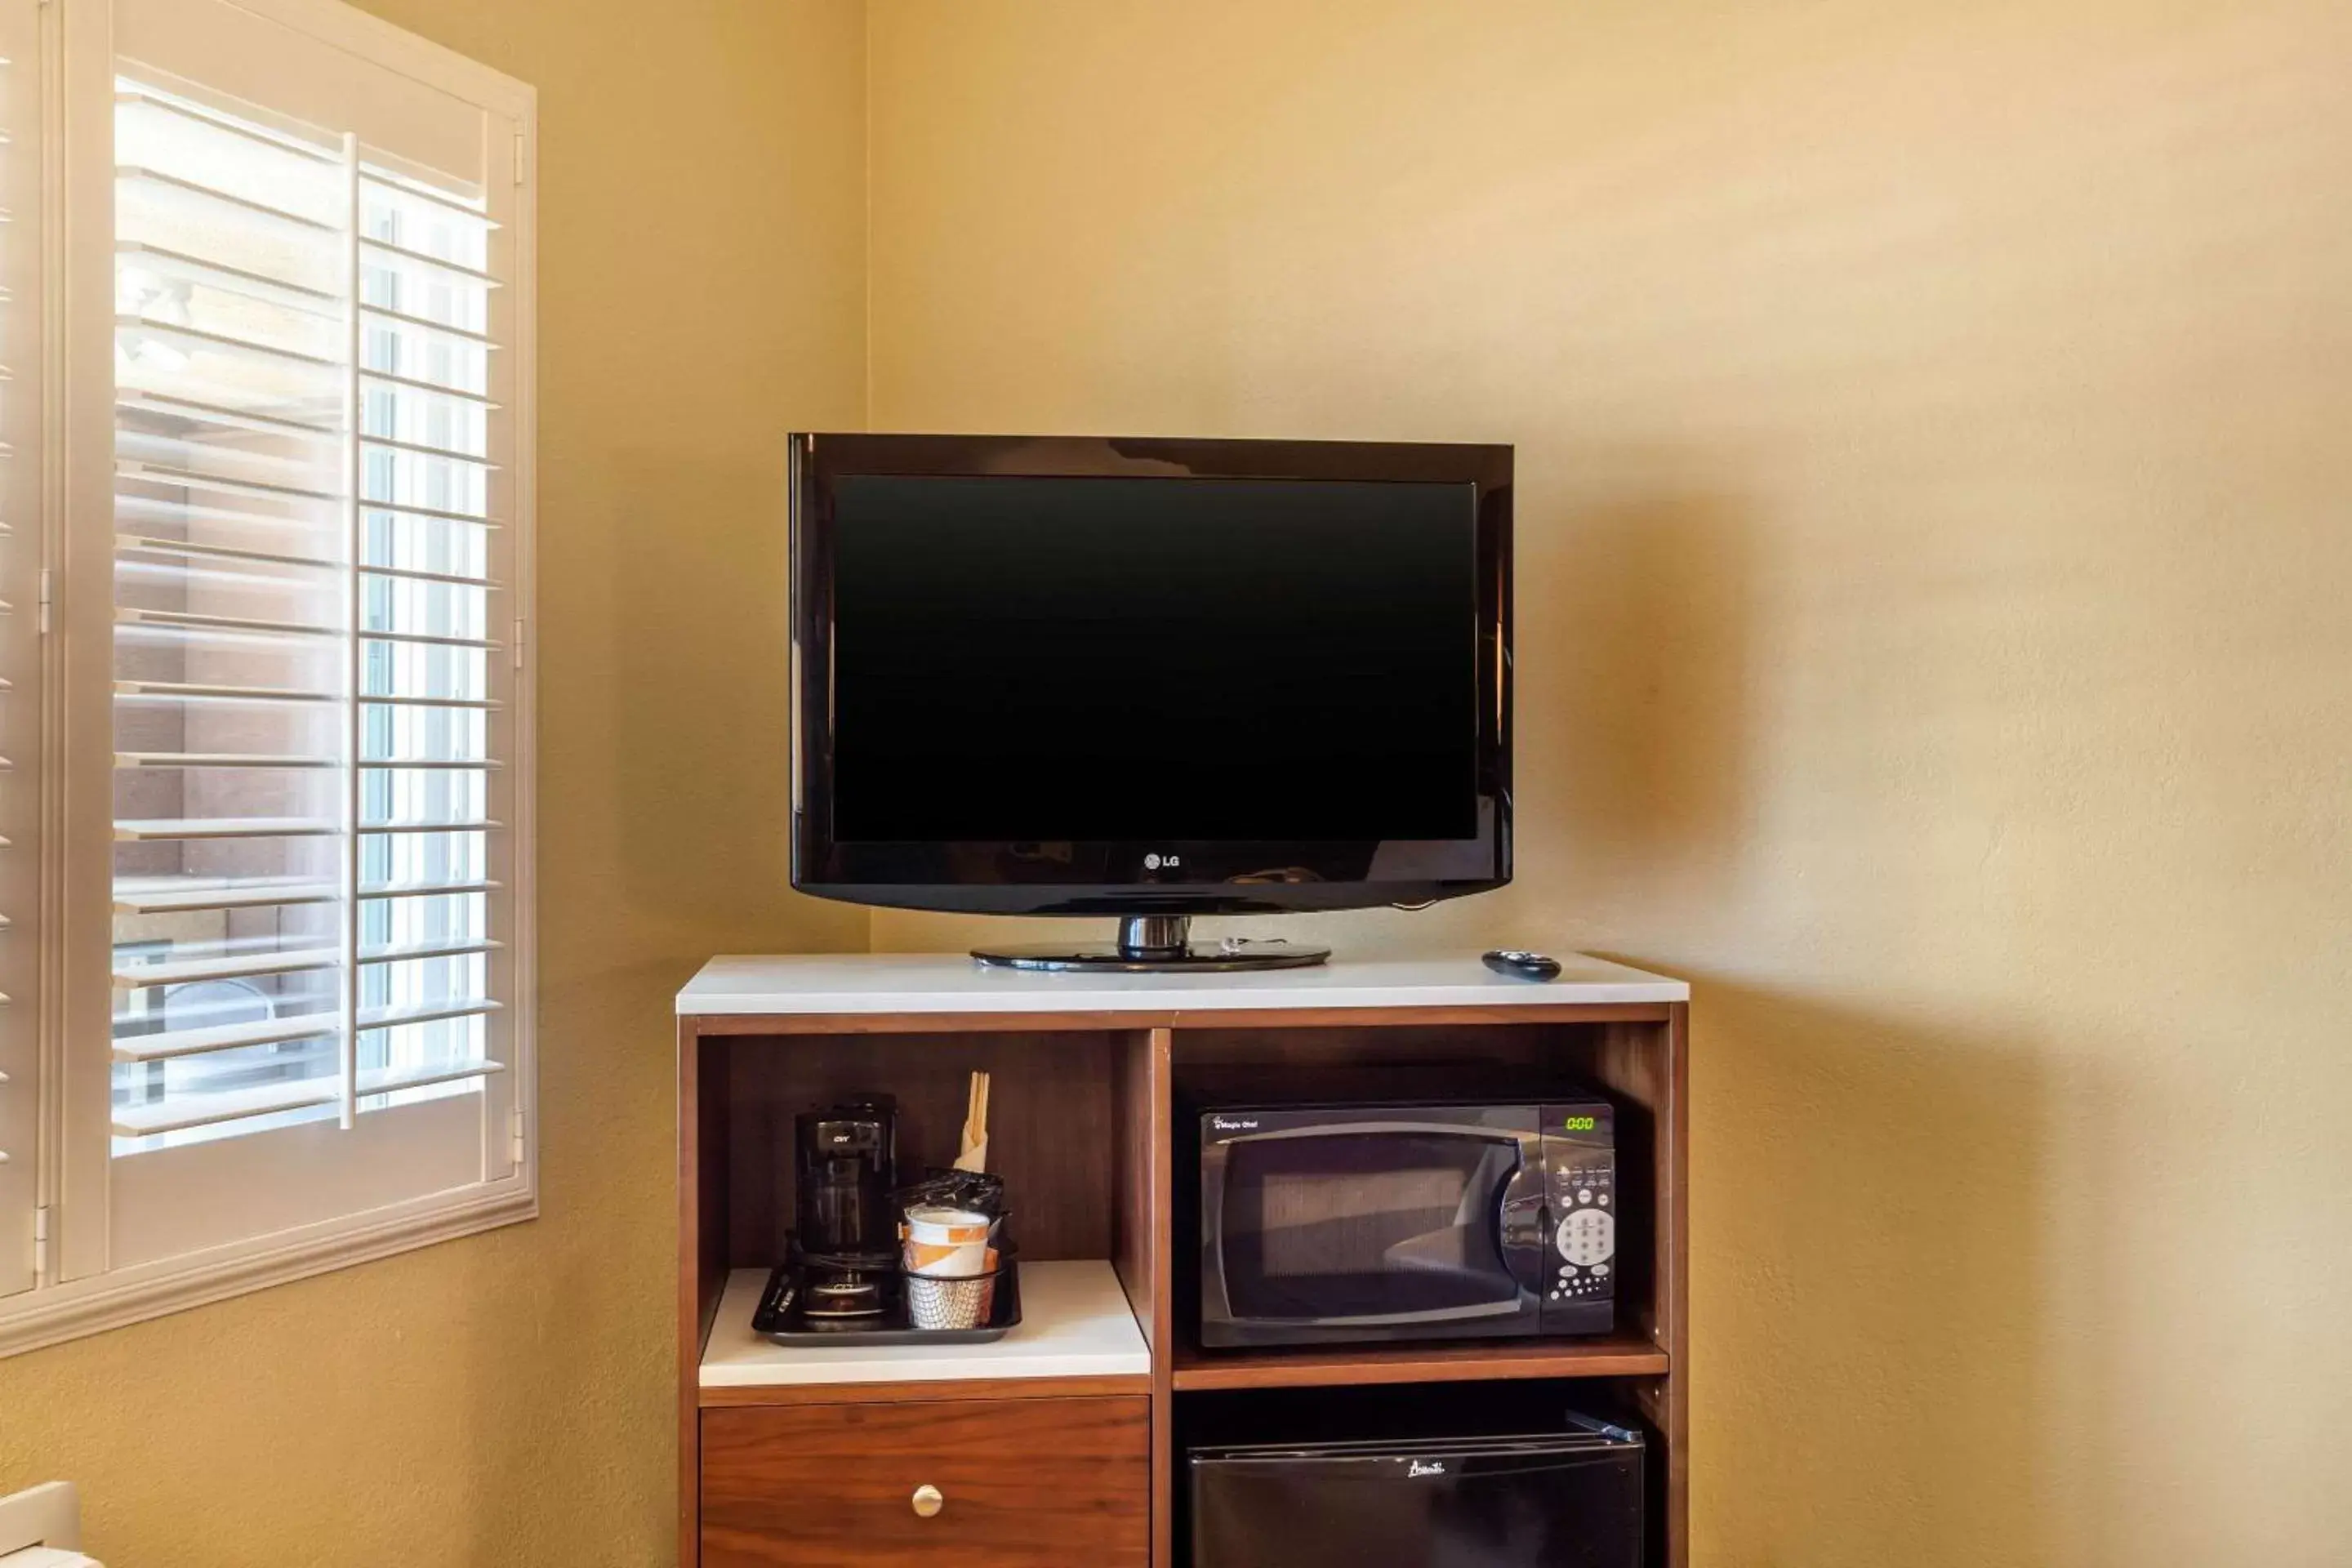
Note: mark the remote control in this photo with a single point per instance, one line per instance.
(1524, 966)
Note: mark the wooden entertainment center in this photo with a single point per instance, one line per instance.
(1057, 1445)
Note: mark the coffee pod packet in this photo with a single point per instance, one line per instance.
(975, 1190)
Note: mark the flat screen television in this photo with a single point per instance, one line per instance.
(1150, 679)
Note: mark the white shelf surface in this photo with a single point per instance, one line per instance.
(835, 983)
(1075, 1322)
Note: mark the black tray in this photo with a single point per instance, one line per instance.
(786, 1325)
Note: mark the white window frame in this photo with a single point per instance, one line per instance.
(76, 1292)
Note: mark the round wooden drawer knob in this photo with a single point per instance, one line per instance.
(928, 1500)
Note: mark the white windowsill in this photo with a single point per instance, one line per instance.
(119, 1297)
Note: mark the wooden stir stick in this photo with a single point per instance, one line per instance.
(972, 1154)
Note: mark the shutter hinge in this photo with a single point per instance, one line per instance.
(518, 1136)
(518, 642)
(520, 157)
(41, 1242)
(44, 617)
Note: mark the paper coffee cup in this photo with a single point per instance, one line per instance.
(959, 1261)
(944, 1226)
(988, 1291)
(946, 1243)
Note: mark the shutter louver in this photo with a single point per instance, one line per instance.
(305, 694)
(20, 647)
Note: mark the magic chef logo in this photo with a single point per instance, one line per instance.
(1425, 1468)
(1233, 1123)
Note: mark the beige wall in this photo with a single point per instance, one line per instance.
(506, 1400)
(1934, 553)
(1935, 543)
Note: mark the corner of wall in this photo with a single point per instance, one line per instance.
(866, 245)
(865, 264)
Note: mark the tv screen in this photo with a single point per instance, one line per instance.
(1153, 658)
(1083, 676)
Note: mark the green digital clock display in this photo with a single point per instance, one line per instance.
(1582, 1123)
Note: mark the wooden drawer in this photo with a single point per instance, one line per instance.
(1026, 1483)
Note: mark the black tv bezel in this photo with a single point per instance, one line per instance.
(1110, 877)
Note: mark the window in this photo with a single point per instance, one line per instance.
(271, 428)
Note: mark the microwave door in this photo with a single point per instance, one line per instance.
(1371, 1226)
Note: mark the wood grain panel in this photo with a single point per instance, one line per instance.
(702, 1264)
(1161, 1061)
(1029, 1483)
(1133, 1257)
(1196, 1019)
(1651, 1067)
(1137, 1384)
(1303, 1045)
(1392, 1017)
(846, 1024)
(1614, 1355)
(1674, 1253)
(1049, 1126)
(1086, 1108)
(1635, 1063)
(707, 1125)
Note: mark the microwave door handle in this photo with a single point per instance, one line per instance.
(1528, 1272)
(1213, 1231)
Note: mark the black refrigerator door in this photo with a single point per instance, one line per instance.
(1440, 1508)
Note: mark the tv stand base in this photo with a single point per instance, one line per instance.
(1156, 944)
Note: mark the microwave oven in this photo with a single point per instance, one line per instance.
(1324, 1224)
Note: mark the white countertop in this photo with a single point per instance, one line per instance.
(1075, 1322)
(954, 983)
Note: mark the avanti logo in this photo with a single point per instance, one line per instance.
(1425, 1468)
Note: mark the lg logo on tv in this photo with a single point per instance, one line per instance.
(1154, 862)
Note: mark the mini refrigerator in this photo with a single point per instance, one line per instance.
(1558, 1500)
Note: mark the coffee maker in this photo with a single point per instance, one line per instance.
(846, 1163)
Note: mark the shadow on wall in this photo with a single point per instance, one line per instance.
(596, 1290)
(1869, 1304)
(702, 689)
(1633, 622)
(1632, 740)
(1868, 1297)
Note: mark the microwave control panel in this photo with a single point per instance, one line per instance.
(1581, 1194)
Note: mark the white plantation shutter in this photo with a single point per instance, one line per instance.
(20, 685)
(304, 701)
(295, 982)
(265, 442)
